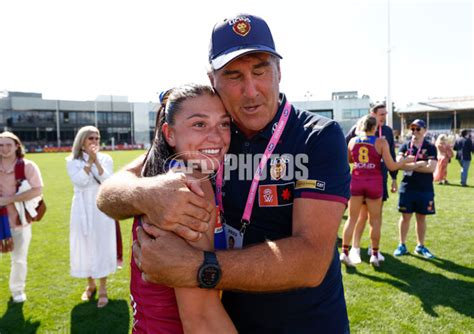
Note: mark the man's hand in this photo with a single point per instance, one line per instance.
(169, 201)
(173, 206)
(394, 187)
(167, 259)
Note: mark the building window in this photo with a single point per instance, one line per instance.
(325, 113)
(354, 113)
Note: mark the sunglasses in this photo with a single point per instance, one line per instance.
(415, 129)
(93, 138)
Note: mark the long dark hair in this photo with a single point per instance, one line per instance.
(170, 105)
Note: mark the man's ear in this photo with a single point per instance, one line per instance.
(210, 75)
(169, 134)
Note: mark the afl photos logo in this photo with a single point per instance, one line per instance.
(241, 27)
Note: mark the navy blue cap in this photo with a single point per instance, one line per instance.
(239, 35)
(419, 122)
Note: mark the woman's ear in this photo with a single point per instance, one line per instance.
(168, 133)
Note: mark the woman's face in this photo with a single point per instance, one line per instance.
(201, 132)
(8, 147)
(91, 141)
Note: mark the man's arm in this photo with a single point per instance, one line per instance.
(301, 260)
(165, 199)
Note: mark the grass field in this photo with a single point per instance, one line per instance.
(405, 295)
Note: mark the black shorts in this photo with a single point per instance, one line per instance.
(417, 201)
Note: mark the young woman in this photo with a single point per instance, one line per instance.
(445, 153)
(92, 235)
(365, 152)
(18, 232)
(192, 134)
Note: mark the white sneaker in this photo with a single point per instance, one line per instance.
(374, 261)
(380, 256)
(346, 260)
(354, 255)
(19, 297)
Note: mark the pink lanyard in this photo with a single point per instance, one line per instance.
(417, 152)
(258, 173)
(380, 131)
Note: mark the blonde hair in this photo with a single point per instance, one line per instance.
(80, 138)
(365, 124)
(442, 139)
(20, 152)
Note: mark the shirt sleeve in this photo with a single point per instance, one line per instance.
(391, 144)
(33, 174)
(75, 170)
(351, 134)
(328, 166)
(403, 149)
(432, 152)
(107, 165)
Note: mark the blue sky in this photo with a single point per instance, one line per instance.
(81, 49)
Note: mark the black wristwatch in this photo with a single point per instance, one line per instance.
(209, 273)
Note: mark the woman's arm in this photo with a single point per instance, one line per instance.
(382, 147)
(350, 146)
(201, 310)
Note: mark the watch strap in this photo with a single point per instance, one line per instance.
(210, 258)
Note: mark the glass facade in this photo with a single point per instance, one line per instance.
(37, 128)
(354, 113)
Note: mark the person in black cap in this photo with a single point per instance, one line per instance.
(286, 276)
(416, 188)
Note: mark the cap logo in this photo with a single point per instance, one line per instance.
(241, 27)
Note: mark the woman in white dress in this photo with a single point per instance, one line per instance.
(92, 235)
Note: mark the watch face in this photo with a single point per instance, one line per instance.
(209, 276)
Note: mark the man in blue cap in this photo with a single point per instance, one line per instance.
(416, 188)
(285, 278)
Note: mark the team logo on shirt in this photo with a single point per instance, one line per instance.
(278, 167)
(241, 26)
(272, 195)
(430, 206)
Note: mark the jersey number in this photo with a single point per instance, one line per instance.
(363, 154)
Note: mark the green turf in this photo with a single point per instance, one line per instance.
(406, 295)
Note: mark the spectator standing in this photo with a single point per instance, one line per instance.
(464, 149)
(93, 252)
(12, 154)
(445, 153)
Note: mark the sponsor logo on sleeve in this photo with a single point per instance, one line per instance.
(311, 184)
(273, 195)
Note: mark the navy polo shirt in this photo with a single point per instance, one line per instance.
(310, 161)
(418, 181)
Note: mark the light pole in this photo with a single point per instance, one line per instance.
(389, 50)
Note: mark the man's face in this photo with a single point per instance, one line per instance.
(8, 147)
(380, 115)
(249, 89)
(417, 131)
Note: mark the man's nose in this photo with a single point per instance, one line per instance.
(250, 88)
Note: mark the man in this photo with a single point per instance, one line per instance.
(378, 111)
(11, 154)
(286, 278)
(416, 188)
(464, 149)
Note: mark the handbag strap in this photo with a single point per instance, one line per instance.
(19, 172)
